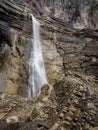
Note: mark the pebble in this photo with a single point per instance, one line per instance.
(69, 118)
(61, 115)
(81, 88)
(79, 94)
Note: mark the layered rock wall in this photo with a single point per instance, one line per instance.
(81, 14)
(15, 34)
(69, 38)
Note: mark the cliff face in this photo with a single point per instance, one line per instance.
(15, 33)
(69, 35)
(81, 14)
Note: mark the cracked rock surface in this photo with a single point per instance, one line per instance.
(69, 35)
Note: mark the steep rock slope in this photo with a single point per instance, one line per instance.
(80, 13)
(69, 42)
(15, 32)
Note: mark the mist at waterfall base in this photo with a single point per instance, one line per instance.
(37, 72)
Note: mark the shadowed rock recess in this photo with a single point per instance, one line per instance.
(69, 35)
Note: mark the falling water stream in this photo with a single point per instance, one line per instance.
(36, 64)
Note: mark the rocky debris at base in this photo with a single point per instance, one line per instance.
(54, 108)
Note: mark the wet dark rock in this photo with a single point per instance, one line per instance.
(3, 125)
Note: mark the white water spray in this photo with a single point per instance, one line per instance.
(36, 64)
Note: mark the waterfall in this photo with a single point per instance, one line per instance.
(36, 64)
